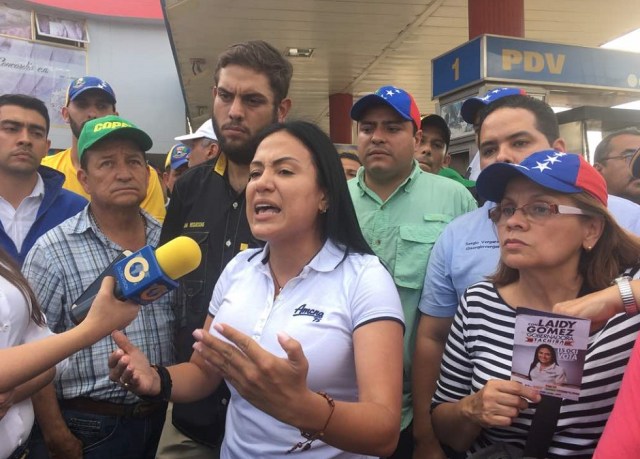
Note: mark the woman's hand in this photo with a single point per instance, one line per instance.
(129, 367)
(498, 403)
(107, 313)
(268, 382)
(599, 306)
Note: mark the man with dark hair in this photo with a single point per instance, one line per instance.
(208, 204)
(85, 410)
(350, 161)
(509, 130)
(612, 159)
(32, 200)
(89, 98)
(401, 210)
(470, 110)
(432, 151)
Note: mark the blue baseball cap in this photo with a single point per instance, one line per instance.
(82, 84)
(398, 99)
(564, 172)
(472, 106)
(177, 156)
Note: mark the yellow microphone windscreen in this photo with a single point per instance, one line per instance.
(179, 256)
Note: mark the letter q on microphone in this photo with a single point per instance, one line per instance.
(145, 276)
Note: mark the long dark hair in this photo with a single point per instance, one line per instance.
(340, 223)
(11, 272)
(535, 356)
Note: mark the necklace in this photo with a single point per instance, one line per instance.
(275, 280)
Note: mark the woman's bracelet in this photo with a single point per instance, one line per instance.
(305, 445)
(166, 384)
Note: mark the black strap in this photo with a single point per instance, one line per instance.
(543, 427)
(545, 420)
(166, 384)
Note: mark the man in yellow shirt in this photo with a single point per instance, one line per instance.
(88, 98)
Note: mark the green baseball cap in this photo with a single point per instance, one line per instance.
(111, 126)
(454, 175)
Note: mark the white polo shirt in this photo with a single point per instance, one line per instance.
(16, 327)
(333, 295)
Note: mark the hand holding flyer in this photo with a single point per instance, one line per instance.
(549, 351)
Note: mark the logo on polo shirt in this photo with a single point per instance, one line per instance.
(305, 311)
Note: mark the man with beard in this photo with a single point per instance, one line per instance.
(89, 98)
(251, 83)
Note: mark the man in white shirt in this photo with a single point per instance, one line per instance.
(32, 200)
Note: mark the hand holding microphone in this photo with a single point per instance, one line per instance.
(107, 313)
(143, 276)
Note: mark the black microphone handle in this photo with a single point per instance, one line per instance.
(80, 309)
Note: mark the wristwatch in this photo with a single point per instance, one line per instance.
(626, 293)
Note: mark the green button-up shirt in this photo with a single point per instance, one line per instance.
(402, 231)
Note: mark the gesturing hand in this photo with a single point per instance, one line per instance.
(499, 402)
(268, 382)
(129, 367)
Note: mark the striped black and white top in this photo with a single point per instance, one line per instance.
(480, 348)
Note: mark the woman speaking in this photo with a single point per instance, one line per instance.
(307, 332)
(558, 242)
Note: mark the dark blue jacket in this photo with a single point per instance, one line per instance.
(57, 205)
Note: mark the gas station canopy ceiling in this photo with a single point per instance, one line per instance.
(360, 45)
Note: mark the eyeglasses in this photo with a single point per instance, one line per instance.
(627, 156)
(535, 211)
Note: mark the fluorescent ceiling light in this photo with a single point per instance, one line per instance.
(299, 52)
(634, 105)
(627, 42)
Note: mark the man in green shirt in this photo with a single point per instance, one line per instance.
(401, 209)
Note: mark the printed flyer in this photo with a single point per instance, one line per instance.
(549, 351)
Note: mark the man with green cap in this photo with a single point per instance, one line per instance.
(83, 414)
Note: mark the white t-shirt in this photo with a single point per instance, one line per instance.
(553, 374)
(333, 295)
(16, 327)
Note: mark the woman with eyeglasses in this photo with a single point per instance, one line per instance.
(558, 242)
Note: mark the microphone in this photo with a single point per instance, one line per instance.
(143, 276)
